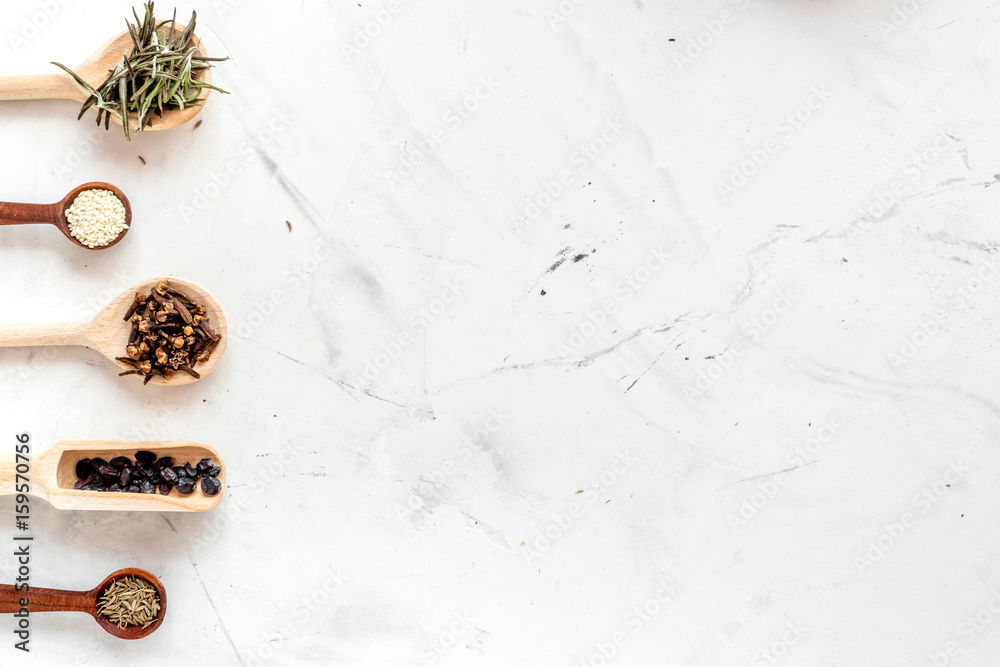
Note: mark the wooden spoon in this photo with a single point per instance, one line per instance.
(49, 599)
(94, 70)
(108, 333)
(53, 475)
(55, 214)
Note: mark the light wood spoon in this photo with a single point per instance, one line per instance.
(55, 214)
(108, 333)
(94, 70)
(53, 474)
(50, 599)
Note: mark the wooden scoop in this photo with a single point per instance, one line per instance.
(49, 599)
(108, 333)
(53, 475)
(55, 214)
(94, 70)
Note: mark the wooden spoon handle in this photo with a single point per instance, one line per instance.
(31, 335)
(12, 213)
(40, 87)
(9, 480)
(45, 599)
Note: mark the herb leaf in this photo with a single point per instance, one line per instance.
(158, 74)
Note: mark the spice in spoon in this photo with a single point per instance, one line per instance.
(146, 475)
(161, 72)
(170, 333)
(96, 218)
(130, 601)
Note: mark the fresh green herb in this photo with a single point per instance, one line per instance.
(161, 72)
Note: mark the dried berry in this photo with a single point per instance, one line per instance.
(147, 475)
(145, 457)
(211, 485)
(120, 462)
(108, 472)
(83, 468)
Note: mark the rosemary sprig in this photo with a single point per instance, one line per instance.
(158, 74)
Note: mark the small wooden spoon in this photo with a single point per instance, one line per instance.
(53, 475)
(108, 333)
(50, 599)
(94, 70)
(55, 214)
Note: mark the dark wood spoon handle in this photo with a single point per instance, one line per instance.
(12, 213)
(45, 599)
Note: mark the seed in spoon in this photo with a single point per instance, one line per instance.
(130, 601)
(96, 218)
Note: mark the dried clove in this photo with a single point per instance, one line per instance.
(170, 332)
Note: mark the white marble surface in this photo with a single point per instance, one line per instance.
(496, 424)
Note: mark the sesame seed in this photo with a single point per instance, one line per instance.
(96, 218)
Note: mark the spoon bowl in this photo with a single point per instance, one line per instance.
(94, 70)
(108, 333)
(54, 475)
(50, 599)
(129, 631)
(55, 214)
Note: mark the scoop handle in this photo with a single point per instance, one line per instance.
(12, 213)
(30, 335)
(40, 467)
(45, 599)
(39, 87)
